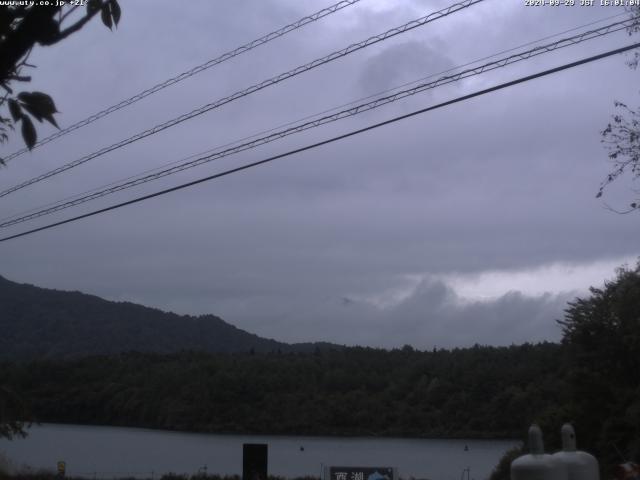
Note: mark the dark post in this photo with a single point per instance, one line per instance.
(254, 461)
(61, 468)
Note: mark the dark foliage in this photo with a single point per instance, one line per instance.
(600, 391)
(41, 323)
(22, 27)
(13, 413)
(481, 392)
(502, 471)
(602, 336)
(621, 136)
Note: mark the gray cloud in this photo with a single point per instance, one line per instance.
(399, 64)
(433, 315)
(502, 182)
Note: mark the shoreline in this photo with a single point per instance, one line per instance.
(282, 434)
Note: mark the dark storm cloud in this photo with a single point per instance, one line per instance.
(433, 315)
(400, 64)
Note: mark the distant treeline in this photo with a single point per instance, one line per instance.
(477, 392)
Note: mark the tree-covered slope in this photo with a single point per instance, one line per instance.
(480, 392)
(43, 323)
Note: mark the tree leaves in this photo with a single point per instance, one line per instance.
(106, 15)
(110, 13)
(28, 132)
(602, 334)
(46, 31)
(13, 407)
(93, 6)
(39, 105)
(115, 11)
(15, 110)
(40, 100)
(621, 137)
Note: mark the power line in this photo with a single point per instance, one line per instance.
(500, 63)
(189, 73)
(254, 88)
(114, 187)
(332, 109)
(307, 117)
(330, 140)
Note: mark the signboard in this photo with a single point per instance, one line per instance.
(62, 467)
(361, 473)
(254, 461)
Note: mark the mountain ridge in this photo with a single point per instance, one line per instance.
(41, 323)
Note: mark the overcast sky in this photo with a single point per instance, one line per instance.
(471, 223)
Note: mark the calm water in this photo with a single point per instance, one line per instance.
(111, 452)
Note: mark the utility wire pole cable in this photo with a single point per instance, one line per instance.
(189, 73)
(500, 63)
(307, 117)
(330, 140)
(254, 88)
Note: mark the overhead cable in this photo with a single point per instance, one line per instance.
(252, 89)
(500, 63)
(189, 73)
(328, 141)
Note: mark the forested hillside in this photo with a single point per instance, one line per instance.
(476, 392)
(42, 323)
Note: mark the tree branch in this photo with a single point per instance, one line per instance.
(619, 212)
(78, 25)
(20, 78)
(23, 38)
(69, 12)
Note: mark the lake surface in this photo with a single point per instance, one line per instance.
(108, 452)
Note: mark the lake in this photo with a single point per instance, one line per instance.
(108, 452)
